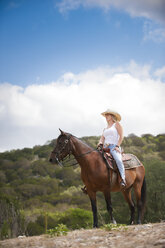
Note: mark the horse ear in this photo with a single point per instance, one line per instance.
(61, 131)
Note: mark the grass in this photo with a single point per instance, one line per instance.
(110, 226)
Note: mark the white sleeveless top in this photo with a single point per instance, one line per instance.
(111, 135)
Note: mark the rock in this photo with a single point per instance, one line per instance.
(160, 242)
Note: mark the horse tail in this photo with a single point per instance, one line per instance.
(143, 196)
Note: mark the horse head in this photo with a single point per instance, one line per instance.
(62, 148)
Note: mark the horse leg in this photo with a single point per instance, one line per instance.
(139, 203)
(128, 198)
(109, 205)
(92, 196)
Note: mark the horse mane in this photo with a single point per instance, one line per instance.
(83, 142)
(79, 139)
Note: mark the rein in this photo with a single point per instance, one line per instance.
(81, 155)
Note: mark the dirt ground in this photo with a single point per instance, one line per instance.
(147, 235)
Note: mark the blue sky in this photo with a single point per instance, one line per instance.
(52, 51)
(38, 43)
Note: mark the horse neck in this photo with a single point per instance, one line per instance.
(78, 149)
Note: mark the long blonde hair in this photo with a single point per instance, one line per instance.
(114, 118)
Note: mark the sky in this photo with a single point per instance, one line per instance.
(64, 62)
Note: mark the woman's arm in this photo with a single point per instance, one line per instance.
(120, 132)
(101, 141)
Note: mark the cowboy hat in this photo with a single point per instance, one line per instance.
(111, 112)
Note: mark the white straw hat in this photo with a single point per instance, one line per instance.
(108, 111)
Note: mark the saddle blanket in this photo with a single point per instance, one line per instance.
(130, 161)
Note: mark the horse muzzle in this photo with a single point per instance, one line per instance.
(53, 160)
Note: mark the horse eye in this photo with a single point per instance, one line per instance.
(66, 141)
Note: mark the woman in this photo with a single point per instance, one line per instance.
(112, 138)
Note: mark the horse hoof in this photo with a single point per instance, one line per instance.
(132, 222)
(114, 222)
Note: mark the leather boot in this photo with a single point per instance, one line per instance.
(122, 184)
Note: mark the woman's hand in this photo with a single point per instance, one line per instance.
(100, 147)
(117, 149)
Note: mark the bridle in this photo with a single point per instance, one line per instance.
(68, 143)
(62, 149)
(64, 146)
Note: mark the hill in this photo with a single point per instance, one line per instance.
(36, 195)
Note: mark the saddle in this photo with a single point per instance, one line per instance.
(129, 160)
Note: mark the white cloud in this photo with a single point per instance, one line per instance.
(151, 9)
(73, 103)
(160, 72)
(153, 32)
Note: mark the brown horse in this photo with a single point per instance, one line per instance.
(95, 176)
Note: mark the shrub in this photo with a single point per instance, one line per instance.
(5, 231)
(162, 155)
(10, 217)
(56, 222)
(77, 218)
(59, 230)
(33, 229)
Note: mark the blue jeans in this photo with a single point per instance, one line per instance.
(118, 158)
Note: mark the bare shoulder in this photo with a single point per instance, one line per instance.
(118, 125)
(103, 131)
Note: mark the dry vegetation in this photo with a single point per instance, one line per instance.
(147, 235)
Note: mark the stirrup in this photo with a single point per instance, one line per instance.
(84, 190)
